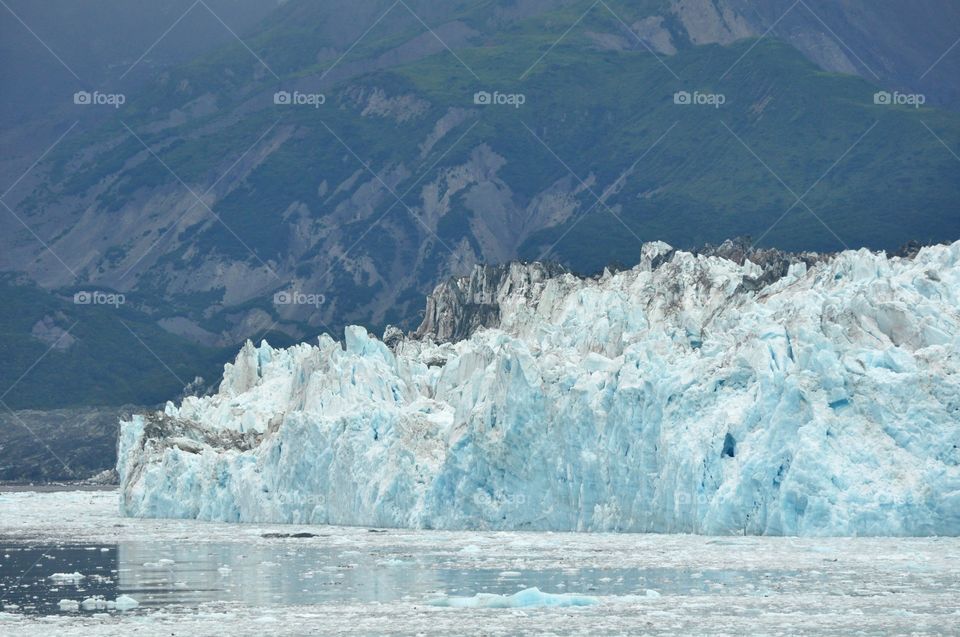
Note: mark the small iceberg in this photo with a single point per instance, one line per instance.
(94, 603)
(66, 578)
(161, 563)
(69, 604)
(97, 602)
(527, 598)
(125, 602)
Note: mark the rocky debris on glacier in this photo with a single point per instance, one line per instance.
(460, 306)
(726, 391)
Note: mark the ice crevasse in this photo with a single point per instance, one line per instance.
(692, 393)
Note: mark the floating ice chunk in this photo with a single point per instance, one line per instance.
(393, 561)
(651, 593)
(527, 598)
(224, 570)
(125, 602)
(96, 602)
(69, 604)
(161, 563)
(66, 578)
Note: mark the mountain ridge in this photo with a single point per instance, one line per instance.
(202, 200)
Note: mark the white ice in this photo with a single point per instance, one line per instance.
(527, 598)
(98, 602)
(668, 399)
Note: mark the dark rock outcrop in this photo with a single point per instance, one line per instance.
(460, 306)
(774, 263)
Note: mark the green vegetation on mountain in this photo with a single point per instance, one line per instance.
(90, 354)
(320, 206)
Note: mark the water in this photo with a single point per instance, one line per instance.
(25, 571)
(257, 575)
(201, 578)
(188, 575)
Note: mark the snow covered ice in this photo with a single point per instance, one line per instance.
(691, 394)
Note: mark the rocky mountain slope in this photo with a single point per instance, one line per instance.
(222, 215)
(692, 393)
(59, 444)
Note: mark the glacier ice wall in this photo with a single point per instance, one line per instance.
(689, 394)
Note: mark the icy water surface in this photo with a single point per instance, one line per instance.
(188, 575)
(199, 578)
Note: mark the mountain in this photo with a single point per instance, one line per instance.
(78, 443)
(757, 393)
(98, 42)
(54, 48)
(901, 46)
(220, 215)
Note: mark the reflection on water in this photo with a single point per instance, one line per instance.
(26, 570)
(158, 574)
(303, 572)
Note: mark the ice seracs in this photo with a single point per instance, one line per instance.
(724, 393)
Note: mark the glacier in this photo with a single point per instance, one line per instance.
(694, 393)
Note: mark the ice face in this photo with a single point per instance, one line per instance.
(678, 397)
